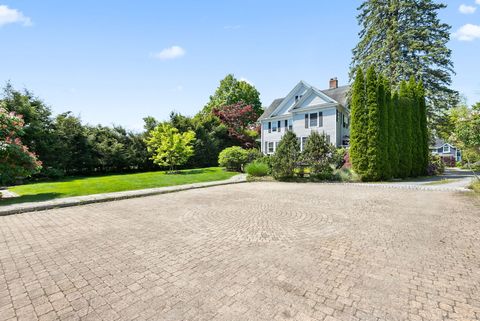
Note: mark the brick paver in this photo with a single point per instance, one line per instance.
(258, 251)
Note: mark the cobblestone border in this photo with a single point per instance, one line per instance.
(107, 197)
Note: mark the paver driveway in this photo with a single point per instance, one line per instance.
(258, 251)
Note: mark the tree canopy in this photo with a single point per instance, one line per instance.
(232, 91)
(404, 39)
(169, 147)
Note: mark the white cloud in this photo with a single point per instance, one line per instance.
(477, 1)
(8, 16)
(467, 9)
(468, 32)
(246, 80)
(172, 52)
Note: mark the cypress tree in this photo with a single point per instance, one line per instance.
(374, 171)
(417, 137)
(359, 125)
(387, 128)
(395, 135)
(406, 131)
(424, 150)
(383, 122)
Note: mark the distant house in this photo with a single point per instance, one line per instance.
(306, 109)
(446, 150)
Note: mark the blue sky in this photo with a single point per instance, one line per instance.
(115, 62)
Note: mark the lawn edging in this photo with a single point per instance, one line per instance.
(107, 197)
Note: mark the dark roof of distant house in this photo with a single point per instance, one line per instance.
(440, 142)
(338, 94)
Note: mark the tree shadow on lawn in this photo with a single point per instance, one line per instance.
(29, 198)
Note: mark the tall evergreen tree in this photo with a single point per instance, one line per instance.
(405, 38)
(406, 130)
(395, 135)
(359, 125)
(387, 130)
(374, 151)
(382, 128)
(417, 138)
(423, 128)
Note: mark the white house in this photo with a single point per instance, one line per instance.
(306, 109)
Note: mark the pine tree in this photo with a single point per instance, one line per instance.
(374, 151)
(405, 38)
(359, 125)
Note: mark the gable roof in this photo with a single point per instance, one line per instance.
(271, 108)
(339, 95)
(440, 143)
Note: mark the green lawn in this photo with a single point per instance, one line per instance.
(77, 186)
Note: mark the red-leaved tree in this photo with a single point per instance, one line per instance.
(15, 158)
(240, 121)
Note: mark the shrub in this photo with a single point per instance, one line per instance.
(476, 186)
(340, 157)
(233, 158)
(449, 161)
(257, 169)
(253, 154)
(346, 175)
(286, 156)
(436, 165)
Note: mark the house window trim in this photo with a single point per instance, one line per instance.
(273, 148)
(446, 151)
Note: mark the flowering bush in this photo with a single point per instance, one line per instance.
(15, 158)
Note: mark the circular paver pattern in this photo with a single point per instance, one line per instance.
(262, 222)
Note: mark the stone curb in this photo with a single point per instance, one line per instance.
(107, 197)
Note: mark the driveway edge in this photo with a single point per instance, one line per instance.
(108, 197)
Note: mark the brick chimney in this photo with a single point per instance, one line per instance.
(333, 83)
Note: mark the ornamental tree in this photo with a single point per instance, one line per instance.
(15, 158)
(169, 147)
(239, 118)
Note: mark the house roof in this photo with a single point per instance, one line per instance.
(338, 94)
(439, 143)
(271, 108)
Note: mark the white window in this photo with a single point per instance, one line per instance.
(313, 119)
(270, 148)
(290, 124)
(446, 149)
(274, 126)
(304, 142)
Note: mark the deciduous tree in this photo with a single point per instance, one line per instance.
(169, 147)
